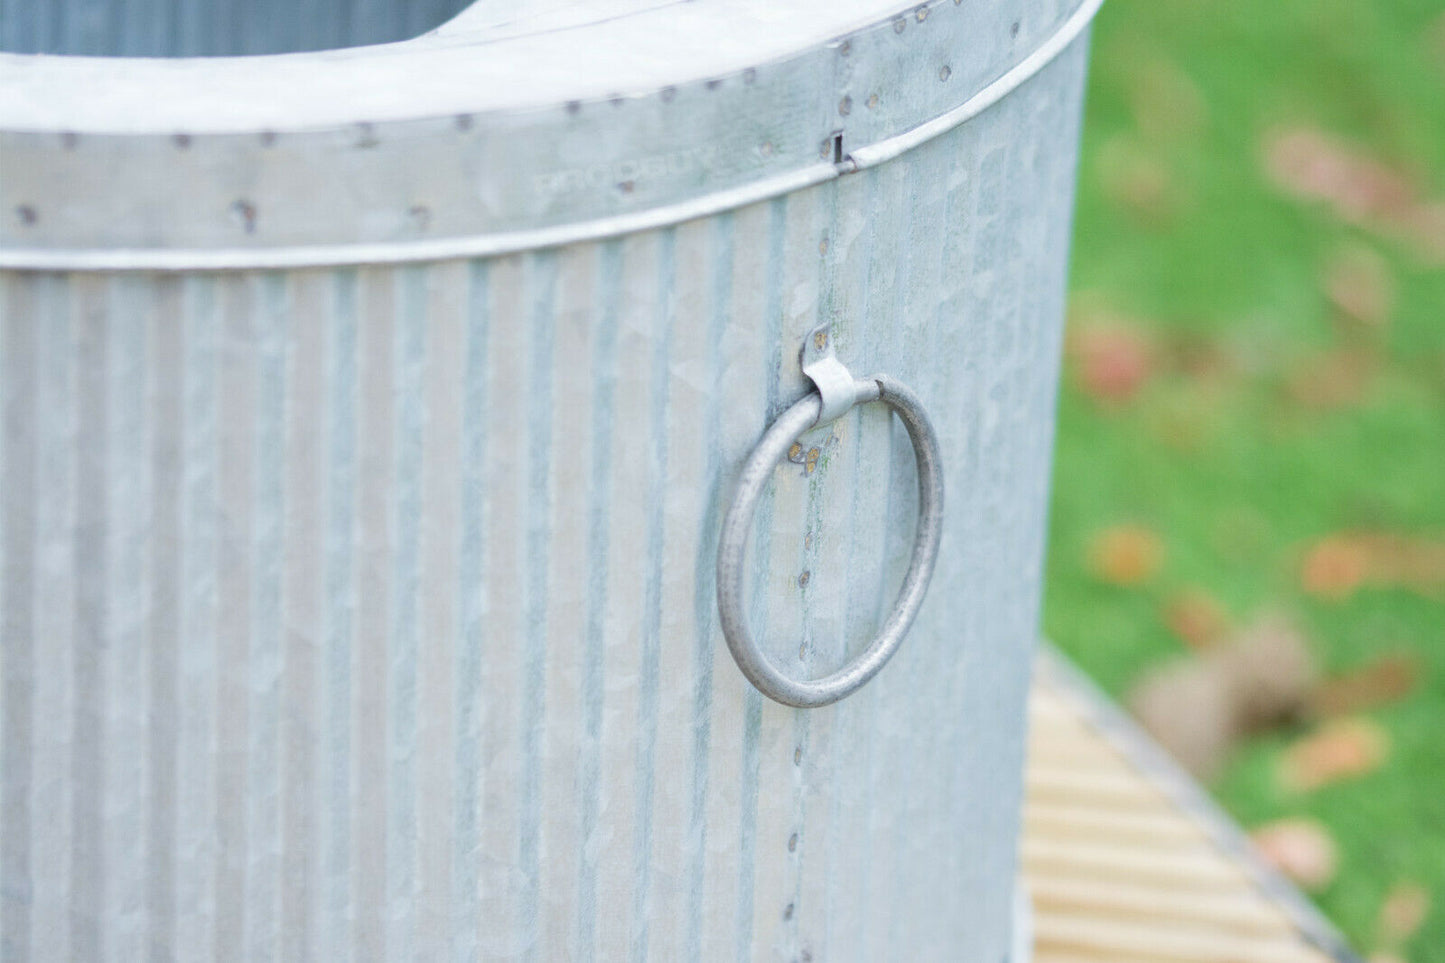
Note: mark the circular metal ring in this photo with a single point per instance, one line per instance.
(732, 548)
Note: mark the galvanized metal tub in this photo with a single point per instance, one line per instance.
(369, 417)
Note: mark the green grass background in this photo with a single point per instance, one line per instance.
(1235, 475)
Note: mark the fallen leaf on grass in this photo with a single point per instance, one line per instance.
(1334, 567)
(1196, 618)
(1361, 190)
(1125, 555)
(1337, 565)
(1403, 912)
(1112, 359)
(1339, 750)
(1409, 562)
(1382, 681)
(1358, 282)
(1300, 848)
(1201, 359)
(1313, 164)
(1332, 379)
(1137, 181)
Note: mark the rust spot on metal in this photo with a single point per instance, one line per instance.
(921, 14)
(245, 214)
(795, 453)
(798, 756)
(845, 106)
(811, 464)
(899, 24)
(945, 72)
(872, 101)
(804, 579)
(793, 844)
(788, 911)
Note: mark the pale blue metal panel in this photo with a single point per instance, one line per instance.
(369, 611)
(212, 28)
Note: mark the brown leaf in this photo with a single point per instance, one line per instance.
(1337, 565)
(1334, 567)
(1340, 749)
(1332, 379)
(1379, 682)
(1199, 358)
(1301, 848)
(1403, 912)
(1125, 555)
(1112, 359)
(1196, 618)
(1359, 189)
(1358, 282)
(1406, 561)
(1314, 165)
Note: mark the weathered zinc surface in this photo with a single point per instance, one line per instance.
(209, 28)
(361, 476)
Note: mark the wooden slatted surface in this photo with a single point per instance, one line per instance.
(1128, 862)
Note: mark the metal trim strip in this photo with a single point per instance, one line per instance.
(488, 245)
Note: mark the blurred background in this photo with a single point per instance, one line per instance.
(1248, 521)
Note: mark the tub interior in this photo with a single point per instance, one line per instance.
(212, 28)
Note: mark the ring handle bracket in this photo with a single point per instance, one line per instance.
(835, 384)
(836, 391)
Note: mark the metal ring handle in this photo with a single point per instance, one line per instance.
(732, 547)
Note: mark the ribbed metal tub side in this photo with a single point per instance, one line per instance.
(368, 611)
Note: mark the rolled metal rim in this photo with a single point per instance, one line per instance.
(483, 138)
(732, 548)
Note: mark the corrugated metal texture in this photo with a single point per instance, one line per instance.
(368, 613)
(211, 28)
